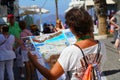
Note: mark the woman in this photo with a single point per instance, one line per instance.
(14, 29)
(115, 23)
(29, 68)
(34, 29)
(59, 26)
(7, 54)
(81, 25)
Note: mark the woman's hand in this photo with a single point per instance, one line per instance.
(117, 28)
(33, 58)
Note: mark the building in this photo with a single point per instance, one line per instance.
(111, 6)
(8, 7)
(89, 5)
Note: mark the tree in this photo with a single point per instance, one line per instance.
(118, 4)
(101, 12)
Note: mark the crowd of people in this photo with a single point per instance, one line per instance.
(11, 38)
(71, 60)
(50, 28)
(12, 47)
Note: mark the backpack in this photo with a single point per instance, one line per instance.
(91, 70)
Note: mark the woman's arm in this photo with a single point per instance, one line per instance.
(113, 23)
(55, 72)
(62, 25)
(49, 37)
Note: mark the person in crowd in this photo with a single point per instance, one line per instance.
(51, 26)
(115, 21)
(34, 29)
(7, 54)
(24, 52)
(59, 26)
(0, 29)
(69, 61)
(19, 62)
(46, 28)
(14, 29)
(108, 24)
(29, 21)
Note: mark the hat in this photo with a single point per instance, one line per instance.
(10, 16)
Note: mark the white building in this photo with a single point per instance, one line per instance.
(91, 3)
(75, 3)
(87, 3)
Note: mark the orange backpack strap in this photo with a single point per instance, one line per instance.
(87, 74)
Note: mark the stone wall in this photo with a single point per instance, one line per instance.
(3, 11)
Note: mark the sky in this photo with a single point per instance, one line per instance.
(47, 4)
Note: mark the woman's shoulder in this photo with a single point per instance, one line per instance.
(11, 36)
(1, 36)
(29, 32)
(71, 48)
(26, 31)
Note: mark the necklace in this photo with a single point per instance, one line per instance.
(83, 38)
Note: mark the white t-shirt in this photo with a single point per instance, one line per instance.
(70, 58)
(6, 49)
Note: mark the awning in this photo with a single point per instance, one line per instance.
(34, 9)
